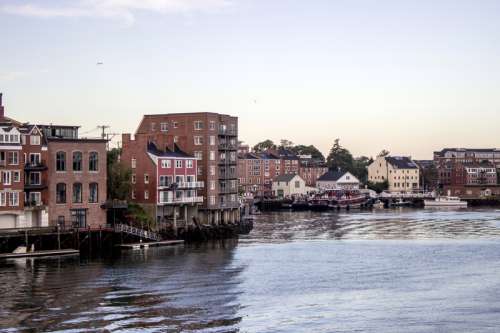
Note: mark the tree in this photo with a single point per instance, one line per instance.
(383, 153)
(308, 150)
(340, 158)
(119, 176)
(360, 168)
(285, 144)
(264, 145)
(378, 187)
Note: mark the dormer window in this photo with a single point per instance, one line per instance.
(35, 140)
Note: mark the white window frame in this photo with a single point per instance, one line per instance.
(34, 140)
(146, 178)
(14, 199)
(189, 164)
(146, 195)
(166, 164)
(164, 127)
(133, 163)
(198, 140)
(178, 164)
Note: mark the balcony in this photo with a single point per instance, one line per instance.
(180, 185)
(34, 205)
(34, 187)
(35, 166)
(178, 201)
(227, 146)
(227, 131)
(227, 162)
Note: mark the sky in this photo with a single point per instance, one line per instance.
(409, 76)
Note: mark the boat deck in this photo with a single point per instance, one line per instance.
(47, 253)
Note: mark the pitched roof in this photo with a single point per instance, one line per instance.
(177, 152)
(401, 162)
(285, 178)
(332, 175)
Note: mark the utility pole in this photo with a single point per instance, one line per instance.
(103, 128)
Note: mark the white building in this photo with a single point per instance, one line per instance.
(288, 185)
(401, 173)
(337, 180)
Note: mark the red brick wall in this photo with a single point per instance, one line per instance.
(96, 216)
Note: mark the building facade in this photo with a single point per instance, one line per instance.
(213, 140)
(289, 185)
(337, 180)
(400, 172)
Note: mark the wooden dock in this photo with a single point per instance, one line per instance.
(47, 253)
(150, 244)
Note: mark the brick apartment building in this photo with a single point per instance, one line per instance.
(213, 140)
(164, 182)
(31, 187)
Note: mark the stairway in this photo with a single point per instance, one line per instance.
(137, 232)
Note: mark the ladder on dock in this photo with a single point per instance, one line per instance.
(128, 229)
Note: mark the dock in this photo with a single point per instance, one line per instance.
(150, 244)
(47, 253)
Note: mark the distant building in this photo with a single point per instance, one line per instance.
(256, 172)
(337, 180)
(401, 173)
(468, 155)
(289, 185)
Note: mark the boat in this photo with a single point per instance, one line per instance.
(401, 203)
(445, 201)
(337, 199)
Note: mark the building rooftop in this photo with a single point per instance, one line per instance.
(401, 162)
(332, 175)
(177, 152)
(285, 178)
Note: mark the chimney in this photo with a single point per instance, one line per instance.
(1, 107)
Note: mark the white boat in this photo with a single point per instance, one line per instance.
(446, 201)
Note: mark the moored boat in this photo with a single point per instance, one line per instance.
(445, 201)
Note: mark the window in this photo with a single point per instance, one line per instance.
(198, 125)
(61, 193)
(35, 140)
(178, 164)
(200, 171)
(212, 155)
(198, 140)
(146, 195)
(14, 199)
(34, 159)
(165, 164)
(198, 155)
(189, 164)
(77, 193)
(297, 184)
(165, 180)
(133, 178)
(134, 163)
(93, 161)
(153, 125)
(211, 125)
(3, 198)
(179, 179)
(6, 177)
(176, 139)
(79, 218)
(211, 140)
(133, 195)
(163, 127)
(212, 170)
(146, 178)
(212, 184)
(60, 161)
(212, 200)
(93, 192)
(35, 178)
(13, 158)
(77, 161)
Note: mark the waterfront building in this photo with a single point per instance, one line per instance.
(468, 155)
(337, 180)
(164, 182)
(401, 173)
(289, 185)
(212, 139)
(256, 172)
(50, 176)
(311, 169)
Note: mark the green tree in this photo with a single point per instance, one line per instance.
(285, 144)
(308, 150)
(378, 187)
(119, 176)
(383, 153)
(340, 158)
(360, 168)
(266, 144)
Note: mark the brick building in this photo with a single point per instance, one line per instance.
(213, 140)
(35, 162)
(164, 182)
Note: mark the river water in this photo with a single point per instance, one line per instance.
(382, 271)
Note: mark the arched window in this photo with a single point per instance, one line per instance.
(93, 161)
(93, 192)
(77, 193)
(61, 193)
(77, 161)
(60, 161)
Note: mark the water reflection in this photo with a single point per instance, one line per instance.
(152, 290)
(417, 269)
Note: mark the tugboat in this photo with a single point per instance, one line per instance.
(337, 199)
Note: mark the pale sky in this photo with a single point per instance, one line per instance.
(407, 76)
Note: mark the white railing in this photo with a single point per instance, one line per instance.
(137, 232)
(190, 184)
(173, 201)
